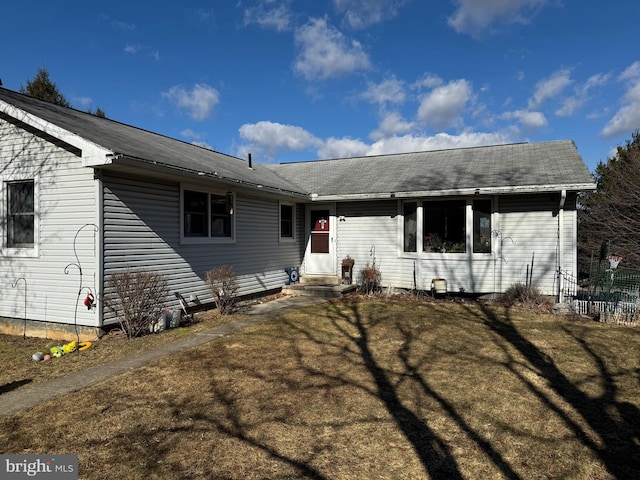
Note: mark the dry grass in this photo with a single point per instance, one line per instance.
(19, 370)
(364, 389)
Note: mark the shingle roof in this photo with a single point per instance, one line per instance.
(147, 146)
(538, 166)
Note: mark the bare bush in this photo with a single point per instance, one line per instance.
(136, 299)
(371, 278)
(520, 293)
(223, 282)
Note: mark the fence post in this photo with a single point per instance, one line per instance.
(560, 286)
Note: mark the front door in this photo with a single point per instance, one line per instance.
(320, 253)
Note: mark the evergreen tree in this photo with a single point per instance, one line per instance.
(43, 88)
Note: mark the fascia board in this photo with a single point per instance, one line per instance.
(92, 154)
(523, 189)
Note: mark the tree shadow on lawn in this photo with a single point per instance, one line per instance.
(432, 450)
(254, 395)
(616, 423)
(7, 387)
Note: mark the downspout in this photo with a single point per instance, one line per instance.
(563, 197)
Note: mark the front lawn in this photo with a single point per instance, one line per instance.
(363, 389)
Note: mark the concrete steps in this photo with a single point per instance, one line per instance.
(319, 286)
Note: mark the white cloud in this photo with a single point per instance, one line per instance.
(347, 147)
(268, 138)
(581, 96)
(343, 148)
(132, 49)
(443, 106)
(440, 141)
(392, 124)
(387, 91)
(475, 17)
(550, 87)
(195, 138)
(84, 102)
(627, 119)
(363, 13)
(199, 102)
(137, 48)
(269, 14)
(428, 81)
(325, 52)
(531, 121)
(632, 72)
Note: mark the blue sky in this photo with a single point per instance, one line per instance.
(292, 80)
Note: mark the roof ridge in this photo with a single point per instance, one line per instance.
(397, 154)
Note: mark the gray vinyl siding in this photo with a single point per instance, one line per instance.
(142, 232)
(66, 208)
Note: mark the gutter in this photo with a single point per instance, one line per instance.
(453, 192)
(123, 158)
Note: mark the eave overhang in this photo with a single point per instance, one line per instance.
(92, 154)
(122, 161)
(521, 189)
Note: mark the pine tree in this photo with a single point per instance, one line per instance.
(43, 88)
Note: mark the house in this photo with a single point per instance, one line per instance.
(84, 197)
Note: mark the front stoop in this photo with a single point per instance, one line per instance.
(319, 286)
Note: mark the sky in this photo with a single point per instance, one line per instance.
(298, 80)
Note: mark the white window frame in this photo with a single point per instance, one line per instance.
(25, 251)
(292, 238)
(208, 239)
(469, 232)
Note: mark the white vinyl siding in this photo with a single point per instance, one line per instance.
(529, 225)
(525, 241)
(65, 203)
(142, 231)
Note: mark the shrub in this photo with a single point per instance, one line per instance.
(519, 293)
(370, 279)
(136, 299)
(223, 282)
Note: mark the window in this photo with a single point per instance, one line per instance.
(195, 214)
(287, 221)
(221, 212)
(207, 215)
(444, 226)
(482, 226)
(410, 215)
(21, 215)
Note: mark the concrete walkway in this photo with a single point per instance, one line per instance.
(27, 397)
